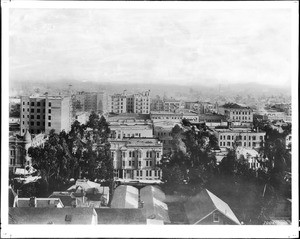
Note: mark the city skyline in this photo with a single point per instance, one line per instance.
(199, 46)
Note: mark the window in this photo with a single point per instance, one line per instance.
(123, 162)
(147, 162)
(130, 154)
(150, 163)
(27, 103)
(38, 110)
(253, 137)
(155, 173)
(215, 217)
(228, 137)
(32, 123)
(32, 103)
(49, 124)
(147, 155)
(49, 117)
(133, 163)
(38, 116)
(141, 173)
(23, 122)
(140, 163)
(228, 143)
(28, 110)
(38, 103)
(32, 110)
(150, 173)
(23, 109)
(129, 163)
(23, 103)
(31, 116)
(146, 173)
(49, 104)
(137, 173)
(157, 155)
(38, 123)
(124, 154)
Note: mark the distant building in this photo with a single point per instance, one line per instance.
(157, 104)
(213, 120)
(159, 116)
(42, 113)
(237, 113)
(207, 209)
(171, 105)
(139, 103)
(136, 158)
(229, 138)
(118, 103)
(14, 125)
(91, 101)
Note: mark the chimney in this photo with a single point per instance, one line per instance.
(32, 202)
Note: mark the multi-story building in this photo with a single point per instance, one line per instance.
(139, 103)
(91, 101)
(136, 159)
(42, 113)
(118, 103)
(157, 104)
(235, 113)
(229, 138)
(213, 120)
(18, 148)
(171, 105)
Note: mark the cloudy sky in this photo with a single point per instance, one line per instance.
(171, 46)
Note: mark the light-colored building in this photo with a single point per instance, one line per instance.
(160, 116)
(171, 105)
(229, 138)
(251, 156)
(136, 158)
(131, 129)
(139, 103)
(41, 113)
(118, 103)
(237, 113)
(82, 117)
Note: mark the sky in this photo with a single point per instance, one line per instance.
(189, 46)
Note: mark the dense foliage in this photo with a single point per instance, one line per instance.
(84, 152)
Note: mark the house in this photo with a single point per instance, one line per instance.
(90, 194)
(116, 216)
(207, 209)
(125, 197)
(38, 202)
(67, 198)
(152, 201)
(30, 215)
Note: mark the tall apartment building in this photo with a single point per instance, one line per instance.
(157, 104)
(130, 103)
(42, 113)
(139, 103)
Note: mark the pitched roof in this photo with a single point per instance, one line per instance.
(154, 206)
(120, 216)
(67, 198)
(30, 215)
(125, 197)
(205, 203)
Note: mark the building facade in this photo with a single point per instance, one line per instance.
(137, 158)
(246, 138)
(160, 116)
(237, 114)
(139, 103)
(163, 131)
(43, 113)
(118, 103)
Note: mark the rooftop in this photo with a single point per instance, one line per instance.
(120, 216)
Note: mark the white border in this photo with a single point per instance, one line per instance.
(149, 231)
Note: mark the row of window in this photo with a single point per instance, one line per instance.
(139, 173)
(241, 112)
(37, 103)
(229, 144)
(37, 110)
(134, 154)
(163, 134)
(239, 137)
(241, 118)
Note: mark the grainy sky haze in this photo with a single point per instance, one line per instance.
(172, 46)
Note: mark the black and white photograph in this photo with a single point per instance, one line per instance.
(149, 119)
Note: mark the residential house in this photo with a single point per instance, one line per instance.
(207, 209)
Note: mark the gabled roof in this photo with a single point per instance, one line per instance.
(125, 197)
(32, 215)
(67, 198)
(152, 198)
(203, 204)
(120, 216)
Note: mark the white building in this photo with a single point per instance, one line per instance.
(136, 158)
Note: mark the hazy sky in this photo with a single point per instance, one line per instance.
(175, 46)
